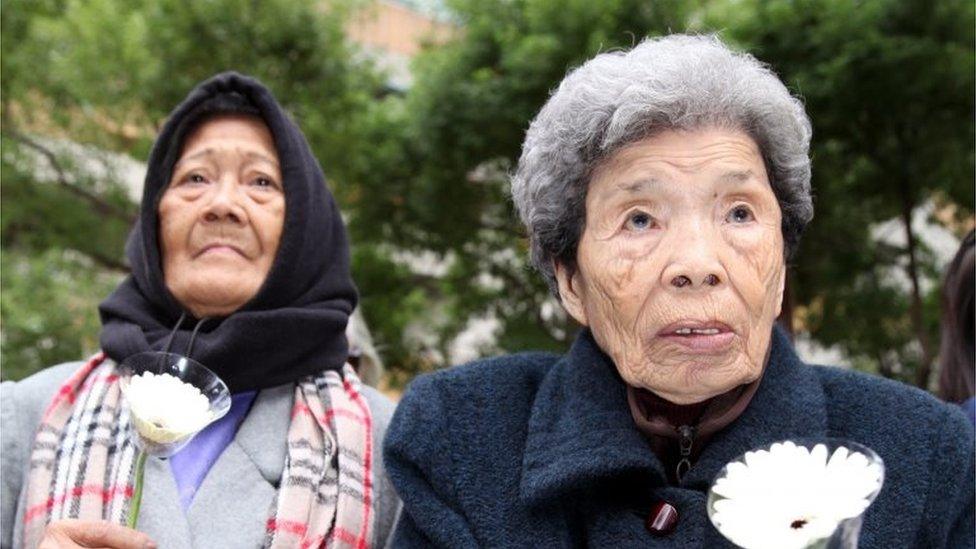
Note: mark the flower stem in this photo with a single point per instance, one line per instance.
(137, 491)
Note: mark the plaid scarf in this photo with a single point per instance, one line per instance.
(82, 461)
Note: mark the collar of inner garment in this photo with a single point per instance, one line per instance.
(690, 425)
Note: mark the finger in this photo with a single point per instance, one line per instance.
(56, 540)
(56, 536)
(102, 533)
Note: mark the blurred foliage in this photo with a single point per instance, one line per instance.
(889, 87)
(49, 305)
(457, 133)
(422, 175)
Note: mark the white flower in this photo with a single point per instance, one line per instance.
(791, 496)
(165, 409)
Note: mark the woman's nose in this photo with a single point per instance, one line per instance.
(694, 264)
(224, 204)
(680, 281)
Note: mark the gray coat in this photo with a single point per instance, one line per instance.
(232, 504)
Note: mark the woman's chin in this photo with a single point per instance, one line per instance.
(218, 297)
(682, 397)
(208, 310)
(693, 381)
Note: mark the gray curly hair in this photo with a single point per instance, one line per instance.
(681, 82)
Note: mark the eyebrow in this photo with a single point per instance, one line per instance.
(210, 152)
(734, 177)
(737, 176)
(259, 156)
(639, 185)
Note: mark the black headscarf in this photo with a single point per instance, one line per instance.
(295, 325)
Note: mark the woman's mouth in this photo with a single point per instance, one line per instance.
(699, 336)
(221, 249)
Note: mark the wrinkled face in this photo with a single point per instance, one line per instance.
(221, 217)
(680, 267)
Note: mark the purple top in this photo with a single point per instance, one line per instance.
(191, 464)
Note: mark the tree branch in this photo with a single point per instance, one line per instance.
(98, 203)
(915, 306)
(105, 261)
(527, 295)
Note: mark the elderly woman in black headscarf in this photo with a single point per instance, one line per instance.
(239, 261)
(663, 189)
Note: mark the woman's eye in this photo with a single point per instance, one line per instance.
(740, 214)
(263, 182)
(639, 221)
(195, 178)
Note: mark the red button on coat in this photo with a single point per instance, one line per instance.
(662, 519)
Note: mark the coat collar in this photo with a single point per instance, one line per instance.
(242, 483)
(244, 480)
(581, 431)
(263, 433)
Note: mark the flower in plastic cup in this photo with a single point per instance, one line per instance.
(171, 398)
(165, 409)
(796, 495)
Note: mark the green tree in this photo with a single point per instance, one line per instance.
(423, 174)
(441, 183)
(80, 78)
(889, 86)
(48, 302)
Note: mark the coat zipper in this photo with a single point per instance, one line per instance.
(686, 440)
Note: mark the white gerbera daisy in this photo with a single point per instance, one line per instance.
(164, 409)
(792, 496)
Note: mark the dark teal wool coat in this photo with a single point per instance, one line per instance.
(537, 450)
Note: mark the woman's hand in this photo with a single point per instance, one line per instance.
(93, 533)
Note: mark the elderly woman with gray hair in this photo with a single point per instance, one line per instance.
(663, 189)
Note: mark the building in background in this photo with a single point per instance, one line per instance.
(393, 33)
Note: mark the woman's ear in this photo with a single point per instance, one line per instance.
(571, 292)
(781, 290)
